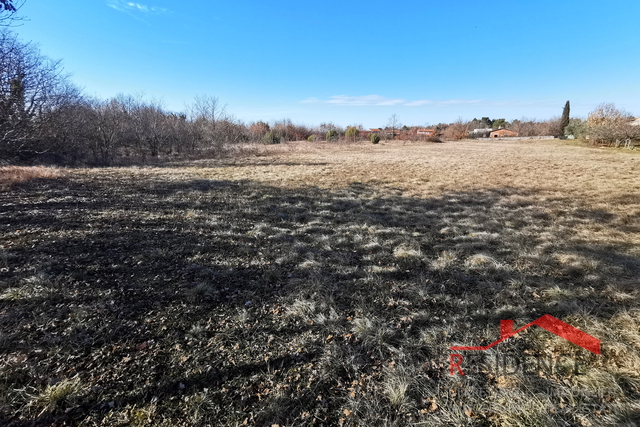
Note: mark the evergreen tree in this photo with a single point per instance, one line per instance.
(564, 120)
(499, 123)
(332, 135)
(352, 133)
(486, 122)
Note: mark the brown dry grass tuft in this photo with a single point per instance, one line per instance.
(10, 175)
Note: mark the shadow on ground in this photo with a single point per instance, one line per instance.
(218, 301)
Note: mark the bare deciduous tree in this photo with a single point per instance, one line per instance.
(456, 130)
(258, 130)
(106, 129)
(394, 124)
(608, 113)
(31, 85)
(180, 133)
(8, 10)
(148, 124)
(608, 124)
(206, 112)
(532, 127)
(58, 132)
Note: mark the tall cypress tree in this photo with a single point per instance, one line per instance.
(564, 120)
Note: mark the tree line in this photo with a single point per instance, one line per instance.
(45, 118)
(605, 125)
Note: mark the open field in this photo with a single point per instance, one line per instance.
(320, 284)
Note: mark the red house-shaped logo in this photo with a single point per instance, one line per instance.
(551, 324)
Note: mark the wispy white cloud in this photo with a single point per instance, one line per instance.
(128, 6)
(419, 103)
(377, 100)
(363, 100)
(461, 101)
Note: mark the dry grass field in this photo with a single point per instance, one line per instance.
(10, 175)
(322, 285)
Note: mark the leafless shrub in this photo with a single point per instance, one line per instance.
(610, 125)
(258, 130)
(288, 131)
(456, 130)
(532, 127)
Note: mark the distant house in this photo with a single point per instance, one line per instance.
(502, 133)
(480, 133)
(365, 134)
(427, 132)
(635, 122)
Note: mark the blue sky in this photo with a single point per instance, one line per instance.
(351, 61)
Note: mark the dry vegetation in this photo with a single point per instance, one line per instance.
(319, 284)
(10, 175)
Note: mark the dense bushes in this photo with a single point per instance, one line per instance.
(258, 130)
(576, 128)
(457, 130)
(123, 129)
(289, 131)
(352, 133)
(374, 138)
(332, 135)
(272, 138)
(611, 126)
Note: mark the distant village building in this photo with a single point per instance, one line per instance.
(635, 122)
(480, 133)
(502, 133)
(390, 132)
(404, 133)
(427, 132)
(366, 133)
